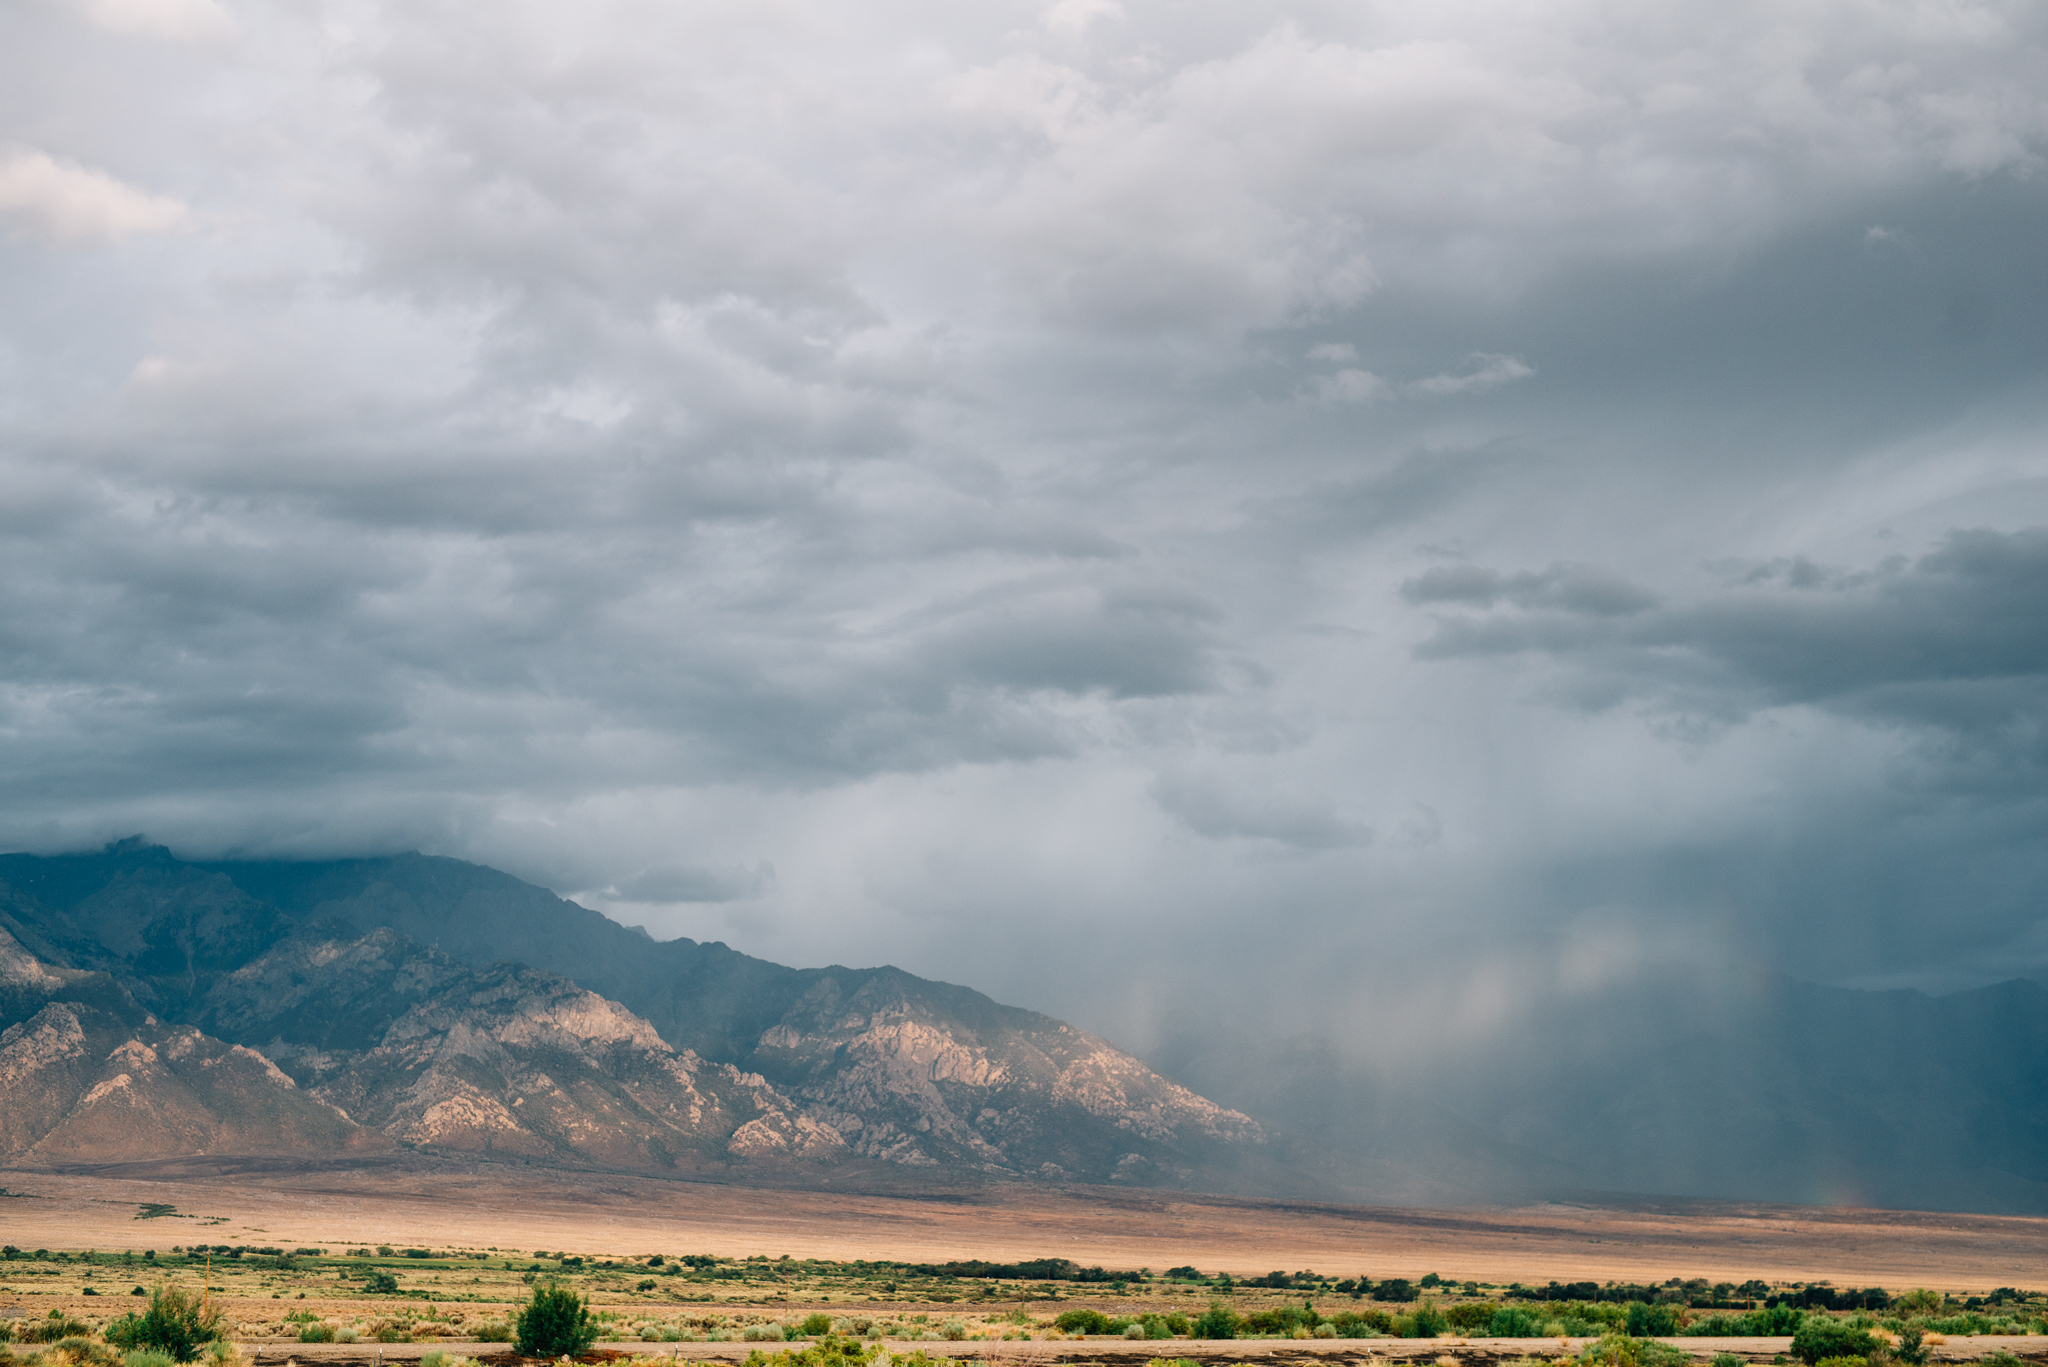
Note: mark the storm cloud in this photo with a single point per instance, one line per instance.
(1324, 514)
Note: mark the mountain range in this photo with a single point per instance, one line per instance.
(154, 1007)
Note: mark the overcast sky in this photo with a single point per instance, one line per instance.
(1283, 511)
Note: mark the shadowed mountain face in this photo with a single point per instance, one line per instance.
(405, 1000)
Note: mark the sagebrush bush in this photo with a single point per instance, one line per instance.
(770, 1332)
(80, 1351)
(815, 1324)
(318, 1331)
(54, 1328)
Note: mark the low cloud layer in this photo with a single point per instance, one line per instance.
(1273, 509)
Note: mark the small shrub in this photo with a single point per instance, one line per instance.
(770, 1332)
(346, 1334)
(493, 1331)
(390, 1331)
(1820, 1337)
(82, 1352)
(555, 1323)
(174, 1323)
(1651, 1321)
(1843, 1362)
(1471, 1317)
(316, 1332)
(1081, 1322)
(146, 1357)
(1134, 1331)
(1513, 1322)
(815, 1325)
(1219, 1321)
(380, 1283)
(55, 1328)
(1727, 1360)
(1425, 1322)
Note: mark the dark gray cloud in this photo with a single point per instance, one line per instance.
(1949, 641)
(1495, 497)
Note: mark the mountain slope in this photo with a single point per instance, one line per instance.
(400, 990)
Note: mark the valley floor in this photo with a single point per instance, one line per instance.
(408, 1200)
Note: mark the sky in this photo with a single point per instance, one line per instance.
(1338, 517)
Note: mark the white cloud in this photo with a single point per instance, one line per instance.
(174, 20)
(70, 203)
(1481, 372)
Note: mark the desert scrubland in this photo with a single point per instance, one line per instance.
(483, 1232)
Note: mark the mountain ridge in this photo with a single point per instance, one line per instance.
(402, 993)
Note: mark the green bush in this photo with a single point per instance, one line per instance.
(1219, 1321)
(1651, 1321)
(837, 1352)
(1727, 1360)
(1425, 1322)
(1081, 1322)
(316, 1332)
(1620, 1350)
(175, 1323)
(1823, 1336)
(493, 1331)
(1513, 1322)
(817, 1324)
(146, 1357)
(1362, 1324)
(555, 1323)
(1770, 1322)
(1471, 1317)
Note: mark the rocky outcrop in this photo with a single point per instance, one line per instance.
(81, 1083)
(510, 1061)
(1012, 1091)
